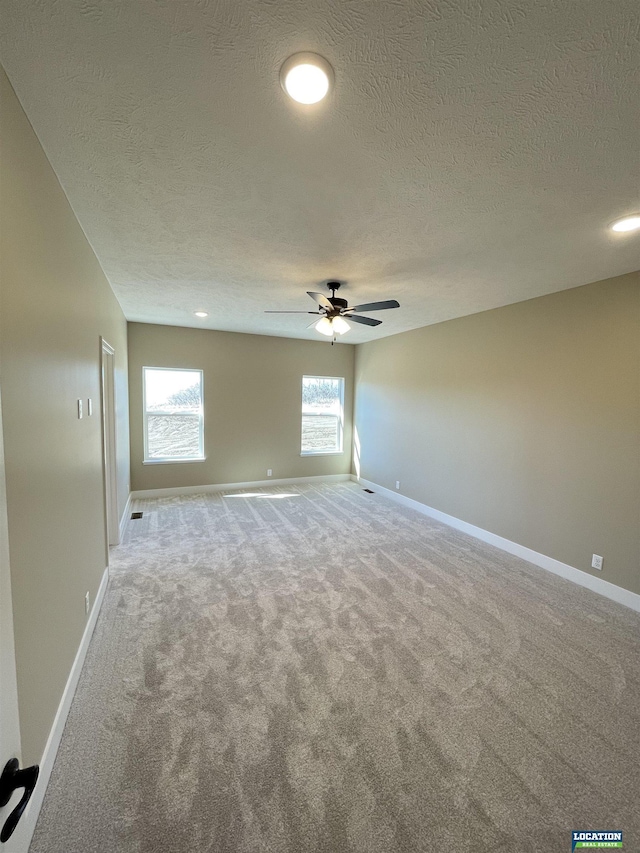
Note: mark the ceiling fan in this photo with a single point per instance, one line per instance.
(334, 312)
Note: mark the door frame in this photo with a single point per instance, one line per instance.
(109, 455)
(10, 745)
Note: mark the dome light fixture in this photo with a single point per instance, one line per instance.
(201, 313)
(629, 223)
(306, 77)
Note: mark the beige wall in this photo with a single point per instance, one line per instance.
(252, 394)
(524, 421)
(55, 304)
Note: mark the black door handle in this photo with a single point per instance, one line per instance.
(13, 778)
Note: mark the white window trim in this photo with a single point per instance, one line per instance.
(172, 460)
(186, 460)
(340, 417)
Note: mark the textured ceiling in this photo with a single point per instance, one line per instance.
(471, 154)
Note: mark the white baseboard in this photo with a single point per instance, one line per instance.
(223, 487)
(125, 516)
(21, 838)
(595, 584)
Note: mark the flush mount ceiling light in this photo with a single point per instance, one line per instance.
(629, 223)
(306, 77)
(201, 313)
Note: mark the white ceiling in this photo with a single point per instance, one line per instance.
(471, 155)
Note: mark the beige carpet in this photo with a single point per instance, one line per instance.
(322, 671)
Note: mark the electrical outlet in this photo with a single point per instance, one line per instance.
(87, 602)
(79, 409)
(596, 562)
(269, 472)
(397, 484)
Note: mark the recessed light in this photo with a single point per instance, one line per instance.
(629, 223)
(306, 77)
(201, 313)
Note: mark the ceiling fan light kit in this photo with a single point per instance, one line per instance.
(324, 326)
(340, 325)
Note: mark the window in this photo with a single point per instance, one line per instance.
(322, 414)
(173, 416)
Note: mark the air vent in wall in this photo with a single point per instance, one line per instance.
(369, 491)
(136, 515)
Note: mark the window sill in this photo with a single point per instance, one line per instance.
(172, 461)
(322, 453)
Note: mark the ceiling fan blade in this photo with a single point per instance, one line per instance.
(321, 300)
(292, 312)
(376, 306)
(366, 321)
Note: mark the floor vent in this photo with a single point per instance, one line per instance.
(369, 491)
(136, 515)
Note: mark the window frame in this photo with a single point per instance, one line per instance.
(171, 460)
(340, 417)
